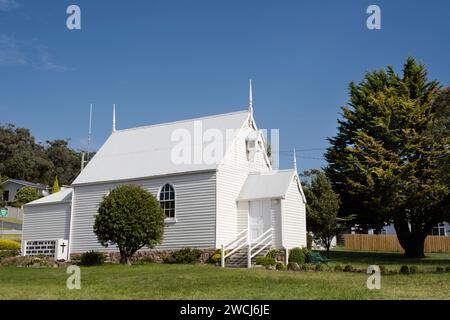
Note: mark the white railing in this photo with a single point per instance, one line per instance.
(237, 244)
(260, 243)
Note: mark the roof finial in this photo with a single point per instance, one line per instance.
(250, 102)
(114, 118)
(295, 160)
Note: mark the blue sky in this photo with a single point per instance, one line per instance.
(169, 60)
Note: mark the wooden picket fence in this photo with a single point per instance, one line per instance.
(371, 242)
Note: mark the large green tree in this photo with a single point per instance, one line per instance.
(21, 157)
(66, 162)
(131, 218)
(25, 195)
(386, 161)
(322, 207)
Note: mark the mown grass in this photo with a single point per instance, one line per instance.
(391, 260)
(154, 281)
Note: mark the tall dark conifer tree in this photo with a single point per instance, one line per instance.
(387, 161)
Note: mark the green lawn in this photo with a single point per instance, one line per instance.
(155, 281)
(391, 260)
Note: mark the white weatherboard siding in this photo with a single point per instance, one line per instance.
(46, 221)
(195, 198)
(276, 223)
(242, 219)
(293, 217)
(231, 176)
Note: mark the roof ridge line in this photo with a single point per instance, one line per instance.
(179, 121)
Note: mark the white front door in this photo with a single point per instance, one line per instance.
(259, 218)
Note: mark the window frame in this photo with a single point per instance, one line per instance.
(173, 219)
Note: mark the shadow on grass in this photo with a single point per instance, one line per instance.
(387, 258)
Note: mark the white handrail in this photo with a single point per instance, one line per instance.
(262, 235)
(264, 242)
(238, 238)
(240, 242)
(262, 248)
(259, 244)
(238, 247)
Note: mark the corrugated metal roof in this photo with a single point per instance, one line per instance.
(146, 151)
(65, 194)
(266, 185)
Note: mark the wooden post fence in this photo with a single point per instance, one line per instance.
(389, 243)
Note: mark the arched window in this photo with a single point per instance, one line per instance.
(167, 200)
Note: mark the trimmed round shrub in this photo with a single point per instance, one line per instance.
(338, 268)
(183, 256)
(447, 269)
(6, 244)
(131, 218)
(304, 267)
(413, 270)
(348, 268)
(92, 258)
(404, 270)
(216, 258)
(265, 261)
(280, 266)
(439, 270)
(293, 266)
(297, 255)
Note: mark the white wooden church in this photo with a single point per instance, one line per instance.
(235, 200)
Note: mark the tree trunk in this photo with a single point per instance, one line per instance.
(415, 248)
(124, 259)
(412, 242)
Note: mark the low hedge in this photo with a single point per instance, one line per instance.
(92, 258)
(26, 261)
(299, 255)
(183, 256)
(6, 244)
(266, 261)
